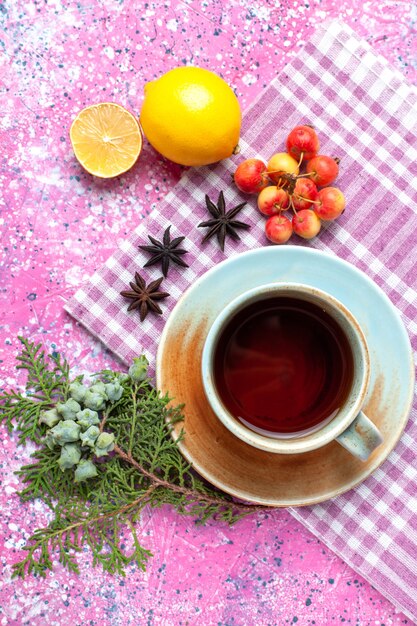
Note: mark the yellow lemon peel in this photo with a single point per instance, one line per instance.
(191, 116)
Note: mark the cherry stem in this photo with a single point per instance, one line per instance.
(292, 206)
(279, 207)
(307, 199)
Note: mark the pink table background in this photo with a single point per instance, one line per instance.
(58, 225)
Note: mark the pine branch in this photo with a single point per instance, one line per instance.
(131, 458)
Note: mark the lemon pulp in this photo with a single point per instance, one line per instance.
(106, 139)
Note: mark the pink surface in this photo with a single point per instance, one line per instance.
(59, 225)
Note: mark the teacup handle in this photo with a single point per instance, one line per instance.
(361, 437)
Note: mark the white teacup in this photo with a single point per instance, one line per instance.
(255, 372)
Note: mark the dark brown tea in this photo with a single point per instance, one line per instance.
(283, 365)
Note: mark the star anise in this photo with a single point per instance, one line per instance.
(144, 297)
(166, 251)
(223, 222)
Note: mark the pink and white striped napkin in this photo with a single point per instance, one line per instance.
(366, 114)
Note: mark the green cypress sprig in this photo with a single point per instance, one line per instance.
(139, 465)
(47, 383)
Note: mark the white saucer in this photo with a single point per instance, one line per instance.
(263, 477)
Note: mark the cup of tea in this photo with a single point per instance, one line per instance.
(286, 368)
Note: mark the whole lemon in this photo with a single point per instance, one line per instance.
(191, 116)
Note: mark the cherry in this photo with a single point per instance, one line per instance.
(323, 169)
(272, 200)
(306, 224)
(278, 228)
(298, 179)
(280, 165)
(303, 143)
(305, 193)
(251, 176)
(331, 203)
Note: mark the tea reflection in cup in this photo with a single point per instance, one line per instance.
(286, 368)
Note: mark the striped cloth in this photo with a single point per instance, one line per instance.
(366, 114)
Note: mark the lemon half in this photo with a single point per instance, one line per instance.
(106, 139)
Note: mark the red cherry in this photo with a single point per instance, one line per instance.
(332, 203)
(306, 224)
(272, 200)
(305, 193)
(278, 229)
(251, 176)
(323, 169)
(303, 142)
